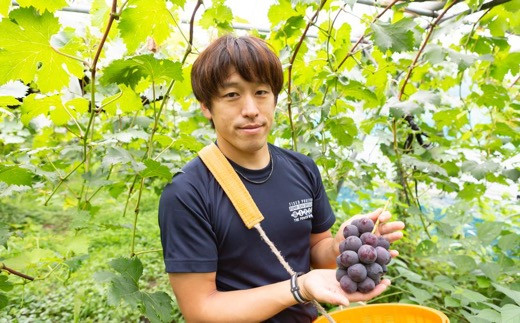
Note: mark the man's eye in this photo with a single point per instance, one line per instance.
(231, 95)
(262, 92)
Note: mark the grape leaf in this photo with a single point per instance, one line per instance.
(3, 301)
(50, 105)
(218, 15)
(510, 313)
(509, 241)
(142, 19)
(5, 285)
(479, 171)
(471, 191)
(42, 5)
(491, 270)
(8, 100)
(130, 71)
(397, 37)
(125, 286)
(125, 101)
(15, 175)
(4, 9)
(4, 234)
(513, 294)
(464, 263)
(154, 168)
(489, 231)
(27, 53)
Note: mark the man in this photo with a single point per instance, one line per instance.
(219, 270)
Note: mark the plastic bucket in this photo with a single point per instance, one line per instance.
(387, 313)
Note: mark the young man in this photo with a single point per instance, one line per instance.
(219, 270)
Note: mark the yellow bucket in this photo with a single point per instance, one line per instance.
(387, 313)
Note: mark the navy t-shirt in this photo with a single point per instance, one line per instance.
(202, 232)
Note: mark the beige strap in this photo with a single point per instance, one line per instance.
(228, 179)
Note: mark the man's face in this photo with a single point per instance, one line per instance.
(242, 113)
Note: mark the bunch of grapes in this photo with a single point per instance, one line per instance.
(363, 257)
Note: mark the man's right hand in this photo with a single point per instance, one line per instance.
(321, 285)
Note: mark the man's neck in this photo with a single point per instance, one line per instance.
(256, 159)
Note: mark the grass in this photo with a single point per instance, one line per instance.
(70, 292)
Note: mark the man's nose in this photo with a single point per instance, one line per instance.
(250, 108)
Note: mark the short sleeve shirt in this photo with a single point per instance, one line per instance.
(202, 232)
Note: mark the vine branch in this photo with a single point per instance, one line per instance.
(14, 272)
(289, 72)
(421, 49)
(351, 52)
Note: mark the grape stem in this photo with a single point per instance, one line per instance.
(384, 209)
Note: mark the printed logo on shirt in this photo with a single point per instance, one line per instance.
(301, 209)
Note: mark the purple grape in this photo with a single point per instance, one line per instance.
(374, 271)
(338, 261)
(355, 222)
(367, 254)
(382, 242)
(351, 243)
(366, 285)
(369, 238)
(348, 258)
(384, 269)
(347, 284)
(383, 256)
(357, 272)
(377, 279)
(365, 225)
(350, 230)
(340, 273)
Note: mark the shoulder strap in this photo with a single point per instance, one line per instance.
(228, 179)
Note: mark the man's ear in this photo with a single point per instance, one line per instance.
(205, 111)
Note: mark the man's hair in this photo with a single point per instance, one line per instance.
(251, 57)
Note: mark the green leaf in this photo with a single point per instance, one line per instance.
(470, 296)
(142, 19)
(280, 12)
(4, 11)
(491, 270)
(489, 231)
(218, 15)
(489, 315)
(509, 241)
(5, 285)
(357, 91)
(451, 302)
(343, 129)
(397, 37)
(3, 301)
(513, 294)
(154, 168)
(425, 167)
(124, 286)
(132, 70)
(464, 263)
(451, 117)
(419, 294)
(42, 5)
(27, 53)
(510, 313)
(117, 155)
(48, 106)
(434, 54)
(157, 306)
(8, 100)
(479, 171)
(123, 102)
(4, 234)
(15, 175)
(471, 191)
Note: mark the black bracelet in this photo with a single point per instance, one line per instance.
(295, 290)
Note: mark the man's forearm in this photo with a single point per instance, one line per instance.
(324, 253)
(256, 304)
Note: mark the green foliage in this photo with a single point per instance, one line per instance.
(444, 146)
